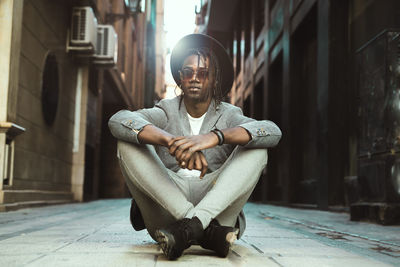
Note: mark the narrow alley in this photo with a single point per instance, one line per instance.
(98, 233)
(316, 82)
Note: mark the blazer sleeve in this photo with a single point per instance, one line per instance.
(125, 125)
(264, 133)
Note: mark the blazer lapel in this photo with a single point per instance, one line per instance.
(186, 130)
(212, 116)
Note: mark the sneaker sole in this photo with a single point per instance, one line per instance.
(167, 243)
(230, 238)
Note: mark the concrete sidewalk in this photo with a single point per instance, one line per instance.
(99, 234)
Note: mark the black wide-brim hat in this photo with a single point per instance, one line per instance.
(194, 41)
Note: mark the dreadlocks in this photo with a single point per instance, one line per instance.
(214, 90)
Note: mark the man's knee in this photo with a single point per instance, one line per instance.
(259, 156)
(122, 148)
(125, 149)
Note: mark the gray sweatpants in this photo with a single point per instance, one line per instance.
(164, 197)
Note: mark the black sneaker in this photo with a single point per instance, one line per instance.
(219, 238)
(179, 236)
(136, 217)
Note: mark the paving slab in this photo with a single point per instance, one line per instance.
(98, 233)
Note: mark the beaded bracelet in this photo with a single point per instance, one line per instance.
(220, 135)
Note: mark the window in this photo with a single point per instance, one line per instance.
(259, 18)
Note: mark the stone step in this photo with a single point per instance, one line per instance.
(14, 199)
(31, 204)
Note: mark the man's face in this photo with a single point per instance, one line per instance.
(195, 81)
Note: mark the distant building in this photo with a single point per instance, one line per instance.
(326, 72)
(56, 96)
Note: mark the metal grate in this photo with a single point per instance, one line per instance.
(105, 40)
(99, 43)
(75, 29)
(82, 26)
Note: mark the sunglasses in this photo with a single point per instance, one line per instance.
(188, 73)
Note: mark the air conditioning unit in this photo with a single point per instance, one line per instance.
(83, 29)
(106, 45)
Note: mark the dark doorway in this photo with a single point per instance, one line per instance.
(111, 181)
(92, 136)
(274, 113)
(89, 173)
(303, 180)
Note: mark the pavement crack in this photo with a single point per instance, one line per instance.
(38, 258)
(254, 246)
(353, 243)
(275, 261)
(235, 253)
(312, 225)
(155, 260)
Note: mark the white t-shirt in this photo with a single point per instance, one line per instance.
(195, 125)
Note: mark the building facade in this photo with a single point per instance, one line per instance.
(307, 65)
(55, 100)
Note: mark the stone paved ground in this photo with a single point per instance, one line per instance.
(99, 234)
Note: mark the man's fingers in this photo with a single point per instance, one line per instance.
(204, 165)
(190, 163)
(178, 154)
(176, 139)
(172, 149)
(203, 171)
(197, 162)
(181, 141)
(186, 148)
(173, 140)
(187, 145)
(183, 164)
(184, 154)
(203, 158)
(188, 153)
(175, 146)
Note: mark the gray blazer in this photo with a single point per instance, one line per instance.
(167, 115)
